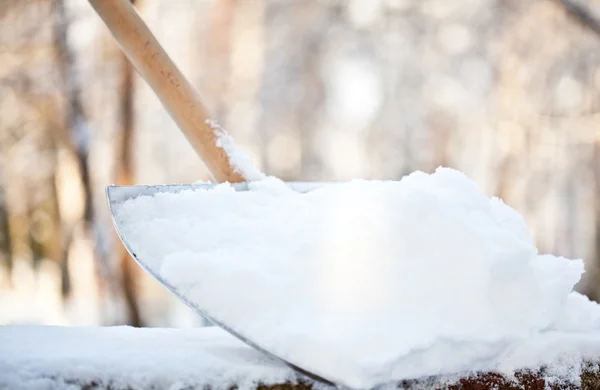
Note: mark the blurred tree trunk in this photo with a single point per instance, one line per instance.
(5, 241)
(57, 245)
(35, 245)
(76, 123)
(596, 168)
(219, 53)
(293, 88)
(62, 245)
(74, 136)
(125, 178)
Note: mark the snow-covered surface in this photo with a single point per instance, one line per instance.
(241, 161)
(124, 358)
(367, 282)
(119, 358)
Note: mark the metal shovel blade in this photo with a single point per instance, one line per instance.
(117, 195)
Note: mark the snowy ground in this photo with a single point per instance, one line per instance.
(48, 357)
(124, 358)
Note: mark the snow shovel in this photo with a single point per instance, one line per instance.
(187, 110)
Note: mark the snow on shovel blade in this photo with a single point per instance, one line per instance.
(117, 195)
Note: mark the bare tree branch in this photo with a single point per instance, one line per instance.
(582, 14)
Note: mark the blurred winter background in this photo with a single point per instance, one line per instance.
(507, 91)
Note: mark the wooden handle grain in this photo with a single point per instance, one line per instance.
(174, 91)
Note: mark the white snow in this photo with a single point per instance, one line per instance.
(367, 282)
(241, 161)
(124, 358)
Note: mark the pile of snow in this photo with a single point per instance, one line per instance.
(367, 282)
(120, 358)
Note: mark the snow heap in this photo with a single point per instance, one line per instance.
(368, 282)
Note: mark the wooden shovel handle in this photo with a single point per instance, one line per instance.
(174, 91)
